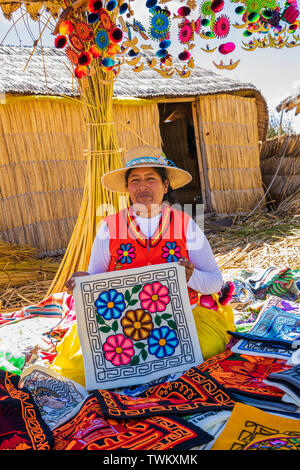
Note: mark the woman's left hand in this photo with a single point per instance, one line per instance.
(189, 267)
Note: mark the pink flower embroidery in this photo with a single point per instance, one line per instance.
(154, 297)
(118, 350)
(126, 253)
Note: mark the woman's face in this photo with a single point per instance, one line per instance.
(146, 187)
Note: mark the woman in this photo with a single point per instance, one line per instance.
(152, 231)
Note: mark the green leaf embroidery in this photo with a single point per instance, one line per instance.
(127, 296)
(115, 326)
(134, 361)
(172, 324)
(105, 329)
(132, 302)
(144, 354)
(100, 320)
(136, 289)
(157, 320)
(140, 345)
(165, 316)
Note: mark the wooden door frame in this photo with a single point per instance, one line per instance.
(200, 148)
(201, 154)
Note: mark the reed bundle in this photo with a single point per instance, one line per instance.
(13, 299)
(24, 277)
(291, 204)
(103, 154)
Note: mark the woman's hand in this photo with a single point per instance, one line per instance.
(70, 284)
(189, 267)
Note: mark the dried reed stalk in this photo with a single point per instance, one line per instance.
(103, 154)
(24, 278)
(264, 240)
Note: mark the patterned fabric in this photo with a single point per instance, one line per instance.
(273, 282)
(21, 425)
(261, 348)
(275, 326)
(249, 428)
(90, 431)
(287, 381)
(130, 248)
(57, 398)
(195, 391)
(53, 306)
(244, 374)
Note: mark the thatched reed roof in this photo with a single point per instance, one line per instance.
(48, 73)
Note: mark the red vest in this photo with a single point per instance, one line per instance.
(130, 248)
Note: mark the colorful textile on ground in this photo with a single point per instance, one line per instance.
(244, 374)
(89, 430)
(288, 381)
(53, 306)
(249, 428)
(57, 398)
(11, 362)
(195, 391)
(45, 326)
(260, 348)
(276, 327)
(242, 296)
(26, 339)
(21, 425)
(285, 305)
(136, 390)
(257, 347)
(135, 325)
(212, 421)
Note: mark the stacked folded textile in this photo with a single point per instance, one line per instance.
(247, 397)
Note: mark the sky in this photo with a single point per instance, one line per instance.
(274, 72)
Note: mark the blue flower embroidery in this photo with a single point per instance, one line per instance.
(171, 252)
(110, 304)
(126, 253)
(162, 342)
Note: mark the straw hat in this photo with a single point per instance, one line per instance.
(144, 156)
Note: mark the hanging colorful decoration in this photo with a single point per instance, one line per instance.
(106, 33)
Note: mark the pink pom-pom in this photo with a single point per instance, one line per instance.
(227, 48)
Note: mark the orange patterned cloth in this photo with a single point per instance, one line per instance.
(21, 425)
(89, 430)
(250, 428)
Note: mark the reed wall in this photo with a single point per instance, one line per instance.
(229, 135)
(42, 165)
(43, 159)
(280, 166)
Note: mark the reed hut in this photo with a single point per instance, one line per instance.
(207, 124)
(280, 156)
(280, 166)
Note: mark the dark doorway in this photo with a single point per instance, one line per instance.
(179, 145)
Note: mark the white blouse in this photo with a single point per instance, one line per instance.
(206, 278)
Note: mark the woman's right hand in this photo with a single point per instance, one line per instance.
(70, 284)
